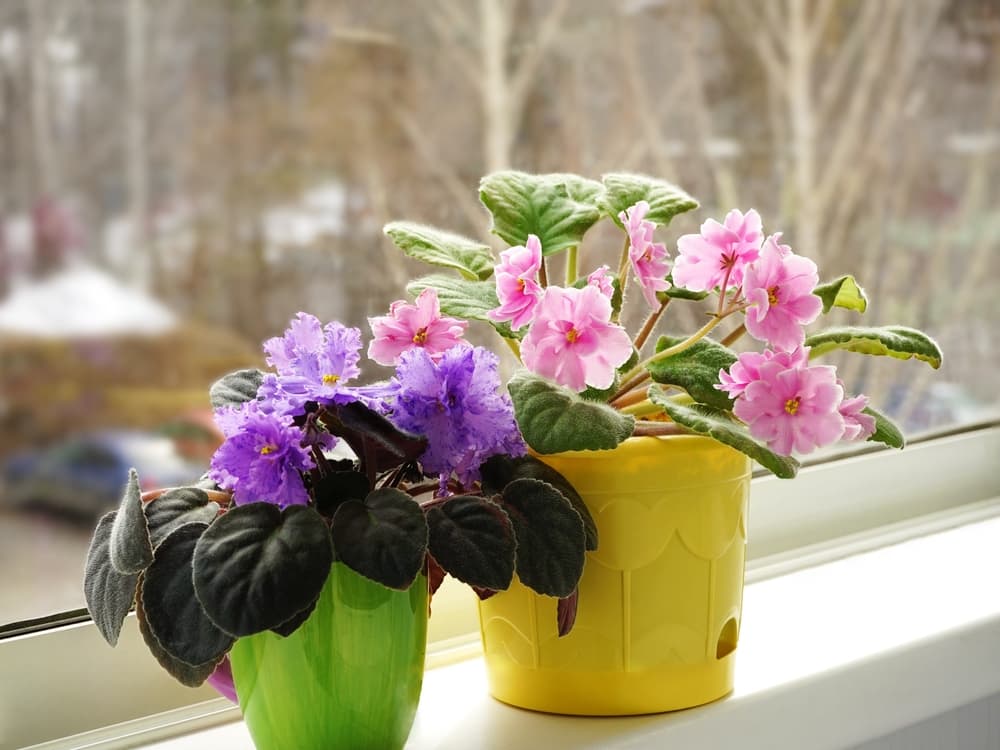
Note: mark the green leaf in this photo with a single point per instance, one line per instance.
(472, 539)
(623, 190)
(893, 341)
(108, 592)
(439, 248)
(550, 537)
(679, 292)
(288, 627)
(173, 509)
(721, 426)
(257, 566)
(557, 208)
(500, 470)
(554, 419)
(130, 548)
(843, 292)
(696, 369)
(383, 538)
(235, 388)
(886, 430)
(464, 299)
(173, 613)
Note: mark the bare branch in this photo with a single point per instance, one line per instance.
(524, 74)
(861, 38)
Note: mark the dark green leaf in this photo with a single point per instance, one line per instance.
(623, 190)
(108, 593)
(473, 540)
(130, 548)
(257, 566)
(383, 538)
(893, 341)
(843, 292)
(338, 487)
(696, 369)
(235, 388)
(288, 627)
(173, 614)
(178, 507)
(554, 419)
(556, 208)
(550, 537)
(719, 425)
(372, 437)
(679, 292)
(470, 258)
(501, 470)
(470, 300)
(885, 430)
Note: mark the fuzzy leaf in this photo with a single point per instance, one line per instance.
(886, 430)
(843, 292)
(383, 538)
(554, 419)
(372, 437)
(178, 507)
(337, 487)
(109, 593)
(439, 248)
(893, 341)
(244, 575)
(469, 300)
(679, 292)
(623, 190)
(235, 388)
(288, 627)
(500, 470)
(173, 614)
(472, 539)
(719, 425)
(550, 537)
(130, 548)
(557, 208)
(695, 369)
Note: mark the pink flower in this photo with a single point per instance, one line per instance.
(746, 368)
(857, 425)
(721, 250)
(517, 283)
(793, 409)
(602, 278)
(648, 258)
(778, 287)
(411, 326)
(572, 340)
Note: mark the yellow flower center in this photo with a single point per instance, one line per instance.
(521, 284)
(572, 335)
(268, 449)
(330, 379)
(772, 295)
(792, 406)
(420, 337)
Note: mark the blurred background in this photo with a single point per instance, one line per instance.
(179, 177)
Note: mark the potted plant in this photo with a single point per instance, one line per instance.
(295, 575)
(657, 436)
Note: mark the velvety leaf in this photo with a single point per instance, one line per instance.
(469, 300)
(108, 592)
(623, 190)
(886, 430)
(893, 341)
(173, 613)
(500, 470)
(434, 572)
(719, 425)
(383, 538)
(566, 612)
(130, 548)
(288, 627)
(472, 259)
(257, 566)
(338, 487)
(372, 437)
(473, 540)
(186, 674)
(557, 208)
(178, 507)
(695, 369)
(550, 537)
(679, 292)
(554, 419)
(235, 388)
(843, 292)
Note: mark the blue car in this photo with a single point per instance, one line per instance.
(85, 475)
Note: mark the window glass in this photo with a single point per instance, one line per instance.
(180, 177)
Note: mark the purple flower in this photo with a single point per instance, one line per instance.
(262, 458)
(457, 403)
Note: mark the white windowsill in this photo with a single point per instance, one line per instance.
(830, 656)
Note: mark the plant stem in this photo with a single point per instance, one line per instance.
(543, 274)
(514, 346)
(722, 292)
(647, 327)
(734, 335)
(642, 409)
(629, 398)
(571, 265)
(643, 429)
(639, 369)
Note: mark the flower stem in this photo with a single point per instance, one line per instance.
(629, 398)
(722, 292)
(514, 346)
(642, 409)
(734, 335)
(647, 327)
(643, 429)
(543, 274)
(571, 265)
(639, 369)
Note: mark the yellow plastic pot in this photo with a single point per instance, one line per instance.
(660, 600)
